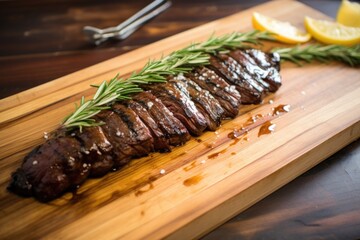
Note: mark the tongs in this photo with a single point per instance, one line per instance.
(126, 28)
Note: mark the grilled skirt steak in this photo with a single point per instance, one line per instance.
(177, 99)
(265, 76)
(171, 127)
(154, 120)
(226, 94)
(96, 150)
(161, 141)
(226, 67)
(51, 169)
(204, 101)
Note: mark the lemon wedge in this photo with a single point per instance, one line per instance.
(349, 14)
(332, 32)
(284, 31)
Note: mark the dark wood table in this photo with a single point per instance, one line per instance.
(42, 40)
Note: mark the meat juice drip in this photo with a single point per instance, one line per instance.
(235, 134)
(193, 180)
(214, 155)
(253, 120)
(236, 140)
(267, 128)
(282, 108)
(191, 166)
(209, 145)
(149, 183)
(140, 192)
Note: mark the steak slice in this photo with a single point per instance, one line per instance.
(264, 75)
(226, 94)
(269, 62)
(247, 64)
(265, 60)
(161, 142)
(181, 105)
(140, 135)
(204, 101)
(230, 72)
(50, 169)
(242, 73)
(171, 127)
(96, 149)
(120, 136)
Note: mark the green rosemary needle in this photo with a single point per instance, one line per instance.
(177, 62)
(322, 53)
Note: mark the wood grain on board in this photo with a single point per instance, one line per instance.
(187, 192)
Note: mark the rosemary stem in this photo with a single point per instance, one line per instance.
(322, 53)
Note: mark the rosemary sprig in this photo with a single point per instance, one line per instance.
(230, 41)
(322, 53)
(177, 62)
(115, 89)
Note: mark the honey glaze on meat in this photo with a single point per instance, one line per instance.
(164, 115)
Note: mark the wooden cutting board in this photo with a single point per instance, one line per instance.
(196, 187)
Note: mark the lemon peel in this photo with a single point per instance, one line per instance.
(332, 33)
(283, 31)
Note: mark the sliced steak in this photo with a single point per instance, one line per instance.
(165, 115)
(269, 62)
(204, 101)
(264, 75)
(227, 70)
(97, 150)
(51, 169)
(161, 142)
(247, 64)
(181, 105)
(235, 67)
(140, 135)
(171, 127)
(226, 94)
(120, 136)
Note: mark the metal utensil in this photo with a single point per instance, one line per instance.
(126, 28)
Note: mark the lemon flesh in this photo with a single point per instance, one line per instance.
(332, 32)
(284, 31)
(349, 14)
